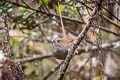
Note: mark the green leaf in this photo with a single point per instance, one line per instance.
(43, 2)
(105, 12)
(61, 8)
(22, 9)
(72, 9)
(105, 35)
(13, 40)
(98, 78)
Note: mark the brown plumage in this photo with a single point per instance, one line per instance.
(61, 46)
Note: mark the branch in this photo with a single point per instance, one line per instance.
(104, 46)
(63, 29)
(105, 17)
(52, 71)
(109, 31)
(35, 57)
(72, 50)
(43, 12)
(111, 14)
(110, 21)
(101, 28)
(85, 5)
(6, 45)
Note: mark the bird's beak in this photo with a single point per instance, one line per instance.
(53, 40)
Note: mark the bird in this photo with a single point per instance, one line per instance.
(60, 47)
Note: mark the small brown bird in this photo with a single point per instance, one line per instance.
(61, 47)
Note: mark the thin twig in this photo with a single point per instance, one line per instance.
(52, 71)
(85, 5)
(45, 6)
(25, 3)
(101, 28)
(35, 57)
(88, 59)
(111, 14)
(111, 21)
(63, 29)
(109, 31)
(80, 14)
(104, 46)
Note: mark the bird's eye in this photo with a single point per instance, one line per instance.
(58, 41)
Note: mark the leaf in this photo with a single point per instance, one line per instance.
(72, 9)
(22, 9)
(98, 78)
(105, 35)
(43, 2)
(61, 8)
